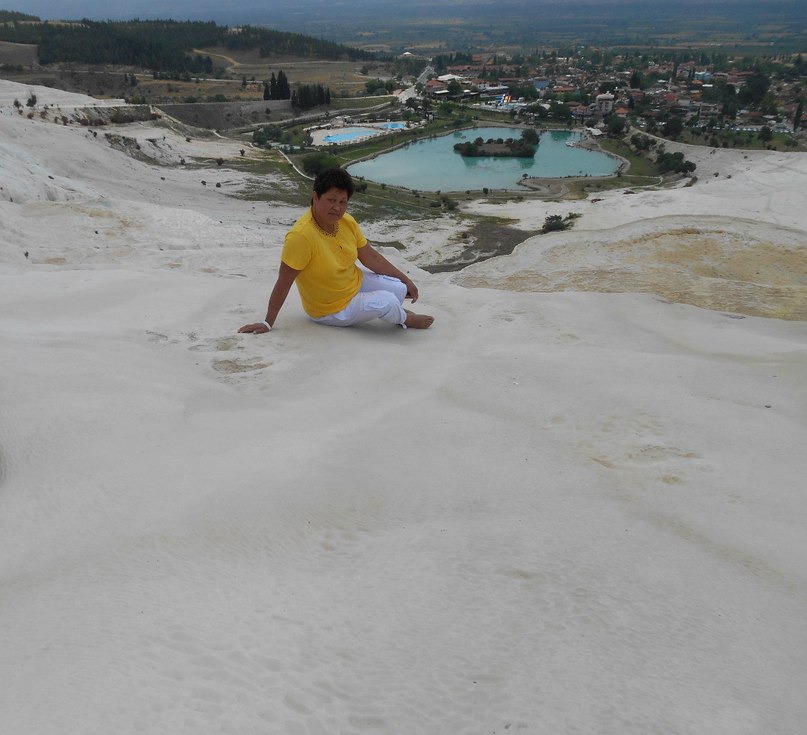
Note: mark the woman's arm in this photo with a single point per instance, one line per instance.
(377, 263)
(285, 277)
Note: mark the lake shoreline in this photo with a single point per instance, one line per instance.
(540, 185)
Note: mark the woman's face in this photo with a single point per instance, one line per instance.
(329, 208)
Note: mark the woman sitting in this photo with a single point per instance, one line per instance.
(319, 255)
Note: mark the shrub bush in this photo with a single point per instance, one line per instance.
(313, 163)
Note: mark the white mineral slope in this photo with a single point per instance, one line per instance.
(766, 186)
(553, 512)
(46, 97)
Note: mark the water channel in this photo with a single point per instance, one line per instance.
(433, 165)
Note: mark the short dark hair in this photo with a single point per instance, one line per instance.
(333, 178)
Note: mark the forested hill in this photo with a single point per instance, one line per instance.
(163, 45)
(9, 16)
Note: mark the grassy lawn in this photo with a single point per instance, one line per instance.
(640, 173)
(17, 54)
(639, 166)
(741, 140)
(354, 103)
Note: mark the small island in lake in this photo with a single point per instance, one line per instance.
(523, 147)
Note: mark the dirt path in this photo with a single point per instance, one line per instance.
(229, 59)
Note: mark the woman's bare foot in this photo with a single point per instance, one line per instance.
(418, 321)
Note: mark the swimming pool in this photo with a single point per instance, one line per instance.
(354, 133)
(346, 134)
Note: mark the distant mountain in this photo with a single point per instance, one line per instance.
(264, 11)
(346, 21)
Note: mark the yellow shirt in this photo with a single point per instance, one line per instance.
(329, 277)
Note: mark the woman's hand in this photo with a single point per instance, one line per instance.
(371, 259)
(257, 328)
(411, 289)
(285, 278)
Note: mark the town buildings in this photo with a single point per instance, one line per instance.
(701, 94)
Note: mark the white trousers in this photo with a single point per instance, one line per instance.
(379, 297)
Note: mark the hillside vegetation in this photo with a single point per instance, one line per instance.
(165, 45)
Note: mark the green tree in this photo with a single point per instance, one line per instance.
(674, 163)
(754, 90)
(554, 222)
(283, 87)
(559, 111)
(673, 127)
(307, 96)
(314, 163)
(279, 88)
(616, 126)
(530, 136)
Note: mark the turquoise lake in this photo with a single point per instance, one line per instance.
(433, 165)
